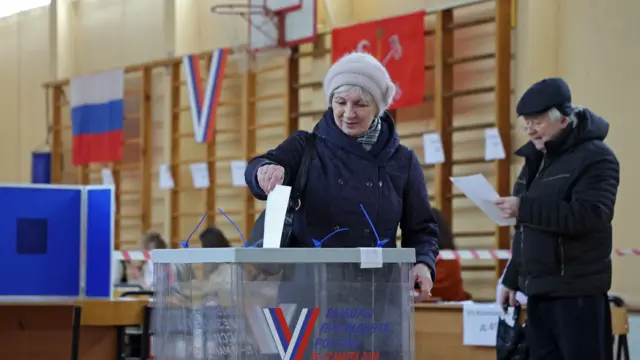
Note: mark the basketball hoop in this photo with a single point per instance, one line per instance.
(263, 20)
(241, 9)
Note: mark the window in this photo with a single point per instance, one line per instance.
(12, 7)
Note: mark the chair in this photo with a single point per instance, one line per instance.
(75, 333)
(620, 327)
(136, 337)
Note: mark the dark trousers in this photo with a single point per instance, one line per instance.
(569, 328)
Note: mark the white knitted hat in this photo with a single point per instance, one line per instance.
(363, 70)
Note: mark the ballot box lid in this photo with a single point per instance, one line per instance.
(282, 256)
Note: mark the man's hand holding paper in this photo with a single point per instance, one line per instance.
(509, 206)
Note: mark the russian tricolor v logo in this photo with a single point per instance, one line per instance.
(204, 101)
(291, 345)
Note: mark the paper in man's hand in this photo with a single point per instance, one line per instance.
(477, 189)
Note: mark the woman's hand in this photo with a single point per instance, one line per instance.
(421, 275)
(269, 176)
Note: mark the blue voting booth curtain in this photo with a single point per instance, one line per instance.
(40, 247)
(41, 167)
(99, 242)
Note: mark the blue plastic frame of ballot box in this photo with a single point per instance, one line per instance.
(76, 258)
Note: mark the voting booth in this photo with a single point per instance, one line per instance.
(57, 241)
(252, 303)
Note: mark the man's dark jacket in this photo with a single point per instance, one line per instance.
(562, 244)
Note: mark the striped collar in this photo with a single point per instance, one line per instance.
(369, 138)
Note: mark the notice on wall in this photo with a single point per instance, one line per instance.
(107, 176)
(200, 175)
(433, 150)
(237, 172)
(165, 178)
(493, 146)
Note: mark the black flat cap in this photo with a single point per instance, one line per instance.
(544, 95)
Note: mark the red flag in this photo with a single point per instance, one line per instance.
(398, 43)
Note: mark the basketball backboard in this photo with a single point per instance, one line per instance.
(283, 6)
(290, 22)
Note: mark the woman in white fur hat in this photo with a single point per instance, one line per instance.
(357, 160)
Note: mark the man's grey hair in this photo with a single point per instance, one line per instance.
(556, 116)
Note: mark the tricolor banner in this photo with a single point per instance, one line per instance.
(204, 102)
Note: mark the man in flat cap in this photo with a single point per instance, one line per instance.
(563, 203)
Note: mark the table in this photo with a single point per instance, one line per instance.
(43, 330)
(439, 332)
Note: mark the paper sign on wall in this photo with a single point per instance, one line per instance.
(480, 324)
(107, 176)
(165, 180)
(237, 172)
(200, 175)
(493, 146)
(433, 150)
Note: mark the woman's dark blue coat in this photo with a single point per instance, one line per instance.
(387, 180)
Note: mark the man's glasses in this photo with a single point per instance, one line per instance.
(528, 125)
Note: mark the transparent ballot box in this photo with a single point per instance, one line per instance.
(288, 304)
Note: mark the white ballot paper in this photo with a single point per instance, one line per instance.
(276, 210)
(477, 189)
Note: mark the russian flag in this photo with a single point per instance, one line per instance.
(97, 114)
